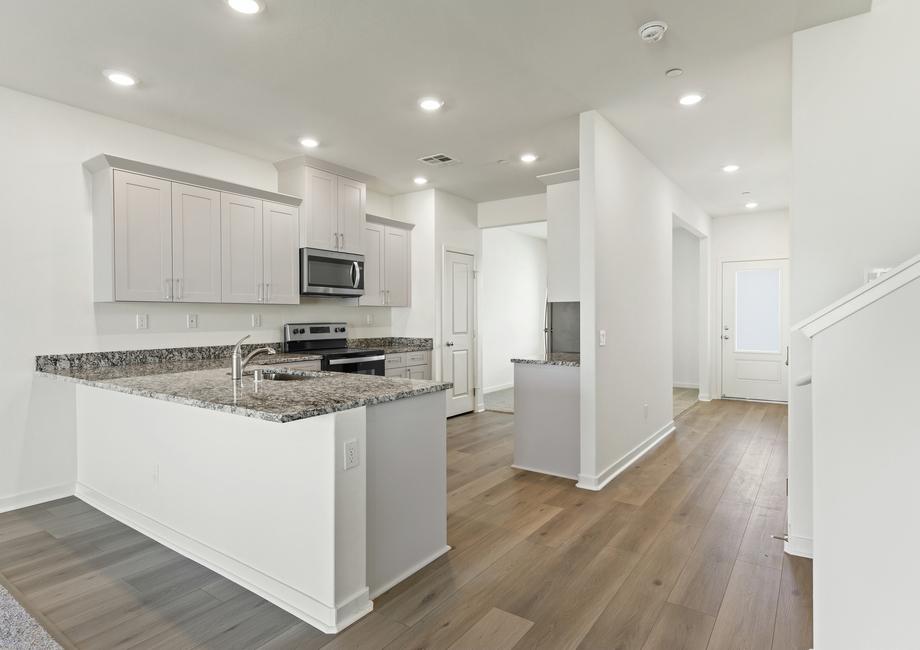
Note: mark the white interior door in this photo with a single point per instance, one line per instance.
(457, 331)
(755, 330)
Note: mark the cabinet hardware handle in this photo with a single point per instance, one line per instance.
(268, 292)
(725, 338)
(336, 241)
(168, 282)
(787, 355)
(343, 240)
(261, 287)
(178, 288)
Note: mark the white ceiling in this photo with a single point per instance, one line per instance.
(515, 74)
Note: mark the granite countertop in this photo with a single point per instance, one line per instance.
(554, 359)
(393, 344)
(206, 383)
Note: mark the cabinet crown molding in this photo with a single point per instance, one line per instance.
(108, 161)
(386, 221)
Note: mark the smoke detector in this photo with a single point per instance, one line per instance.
(653, 31)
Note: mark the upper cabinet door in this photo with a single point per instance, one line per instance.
(196, 244)
(374, 273)
(352, 204)
(396, 256)
(319, 221)
(143, 238)
(281, 252)
(241, 250)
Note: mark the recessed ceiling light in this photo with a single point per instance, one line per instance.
(430, 104)
(120, 78)
(309, 143)
(528, 157)
(247, 7)
(750, 205)
(420, 180)
(673, 72)
(691, 99)
(730, 169)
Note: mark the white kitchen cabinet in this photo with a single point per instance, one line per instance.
(374, 234)
(165, 235)
(332, 213)
(241, 236)
(386, 264)
(396, 266)
(143, 259)
(352, 203)
(319, 224)
(409, 365)
(562, 246)
(281, 254)
(196, 245)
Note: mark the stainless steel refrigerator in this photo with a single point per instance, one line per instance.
(561, 327)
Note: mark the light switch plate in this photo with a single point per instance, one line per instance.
(257, 320)
(141, 321)
(603, 337)
(192, 321)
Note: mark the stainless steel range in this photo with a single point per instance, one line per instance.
(331, 341)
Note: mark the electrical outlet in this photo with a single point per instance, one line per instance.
(645, 410)
(257, 320)
(192, 321)
(369, 319)
(142, 321)
(351, 454)
(603, 337)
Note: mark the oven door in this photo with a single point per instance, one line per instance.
(370, 364)
(330, 273)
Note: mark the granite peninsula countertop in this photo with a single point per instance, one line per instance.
(206, 383)
(554, 359)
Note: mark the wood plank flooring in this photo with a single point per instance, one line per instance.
(675, 553)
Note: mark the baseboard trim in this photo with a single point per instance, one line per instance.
(385, 587)
(325, 618)
(544, 471)
(800, 546)
(599, 482)
(35, 497)
(687, 384)
(704, 397)
(495, 389)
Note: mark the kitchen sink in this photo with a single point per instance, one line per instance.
(268, 375)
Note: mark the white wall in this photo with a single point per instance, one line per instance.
(505, 212)
(511, 308)
(562, 241)
(685, 272)
(46, 256)
(742, 237)
(855, 134)
(627, 208)
(379, 205)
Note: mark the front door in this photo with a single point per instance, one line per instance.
(755, 330)
(457, 331)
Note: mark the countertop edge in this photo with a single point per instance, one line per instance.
(280, 418)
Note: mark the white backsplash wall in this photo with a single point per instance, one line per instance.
(46, 263)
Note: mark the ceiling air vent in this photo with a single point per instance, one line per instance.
(438, 160)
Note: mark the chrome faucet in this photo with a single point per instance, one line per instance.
(238, 363)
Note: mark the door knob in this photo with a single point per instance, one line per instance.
(449, 344)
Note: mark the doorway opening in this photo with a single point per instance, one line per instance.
(686, 314)
(511, 321)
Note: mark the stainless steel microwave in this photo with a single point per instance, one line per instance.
(331, 273)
